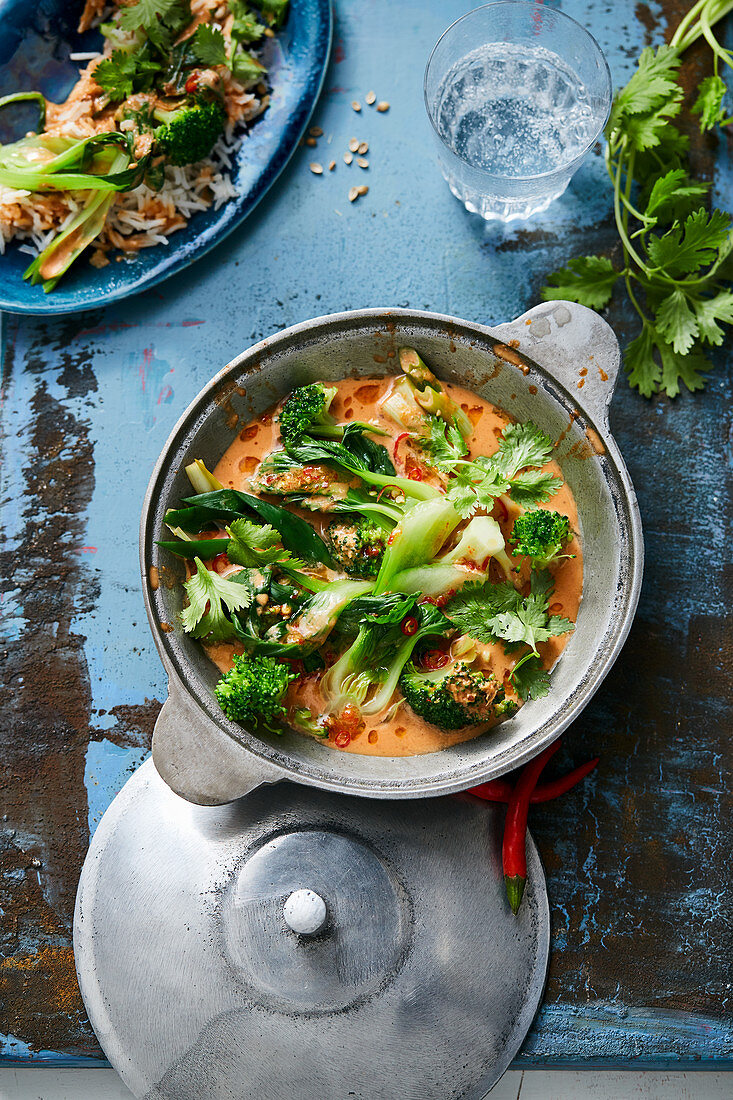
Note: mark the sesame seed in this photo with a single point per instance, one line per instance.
(363, 148)
(332, 165)
(362, 162)
(383, 106)
(353, 194)
(348, 158)
(355, 105)
(370, 98)
(353, 145)
(311, 142)
(316, 168)
(362, 190)
(315, 131)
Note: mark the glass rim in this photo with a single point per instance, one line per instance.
(561, 15)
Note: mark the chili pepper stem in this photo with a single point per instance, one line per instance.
(514, 891)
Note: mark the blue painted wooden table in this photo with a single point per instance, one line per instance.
(638, 859)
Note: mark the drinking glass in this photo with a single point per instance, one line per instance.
(517, 94)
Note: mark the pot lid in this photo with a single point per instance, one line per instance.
(303, 944)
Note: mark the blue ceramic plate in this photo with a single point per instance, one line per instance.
(36, 38)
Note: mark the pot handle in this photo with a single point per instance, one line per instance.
(198, 760)
(566, 338)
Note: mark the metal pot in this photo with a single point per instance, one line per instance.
(565, 387)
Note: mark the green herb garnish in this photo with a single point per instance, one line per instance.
(675, 253)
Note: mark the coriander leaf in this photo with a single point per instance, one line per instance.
(534, 487)
(640, 365)
(680, 254)
(245, 26)
(145, 13)
(678, 368)
(710, 310)
(124, 73)
(490, 611)
(522, 445)
(462, 496)
(654, 80)
(475, 606)
(491, 476)
(530, 679)
(709, 103)
(676, 321)
(246, 68)
(209, 45)
(587, 279)
(262, 536)
(671, 194)
(445, 444)
(255, 546)
(207, 588)
(523, 625)
(644, 132)
(558, 624)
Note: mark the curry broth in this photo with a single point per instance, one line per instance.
(401, 732)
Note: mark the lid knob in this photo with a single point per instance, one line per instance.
(305, 912)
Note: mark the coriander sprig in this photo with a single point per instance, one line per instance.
(491, 612)
(675, 253)
(512, 471)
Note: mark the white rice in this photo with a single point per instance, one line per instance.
(143, 217)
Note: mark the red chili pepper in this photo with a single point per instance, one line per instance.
(500, 790)
(220, 563)
(409, 626)
(192, 84)
(342, 738)
(415, 474)
(514, 853)
(434, 659)
(398, 440)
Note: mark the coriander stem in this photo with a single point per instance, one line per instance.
(629, 249)
(692, 14)
(627, 279)
(684, 38)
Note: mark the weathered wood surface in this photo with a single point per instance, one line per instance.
(638, 860)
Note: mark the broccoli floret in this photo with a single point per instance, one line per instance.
(506, 708)
(189, 133)
(540, 535)
(306, 409)
(253, 690)
(451, 697)
(357, 547)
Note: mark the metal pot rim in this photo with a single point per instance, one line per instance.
(260, 762)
